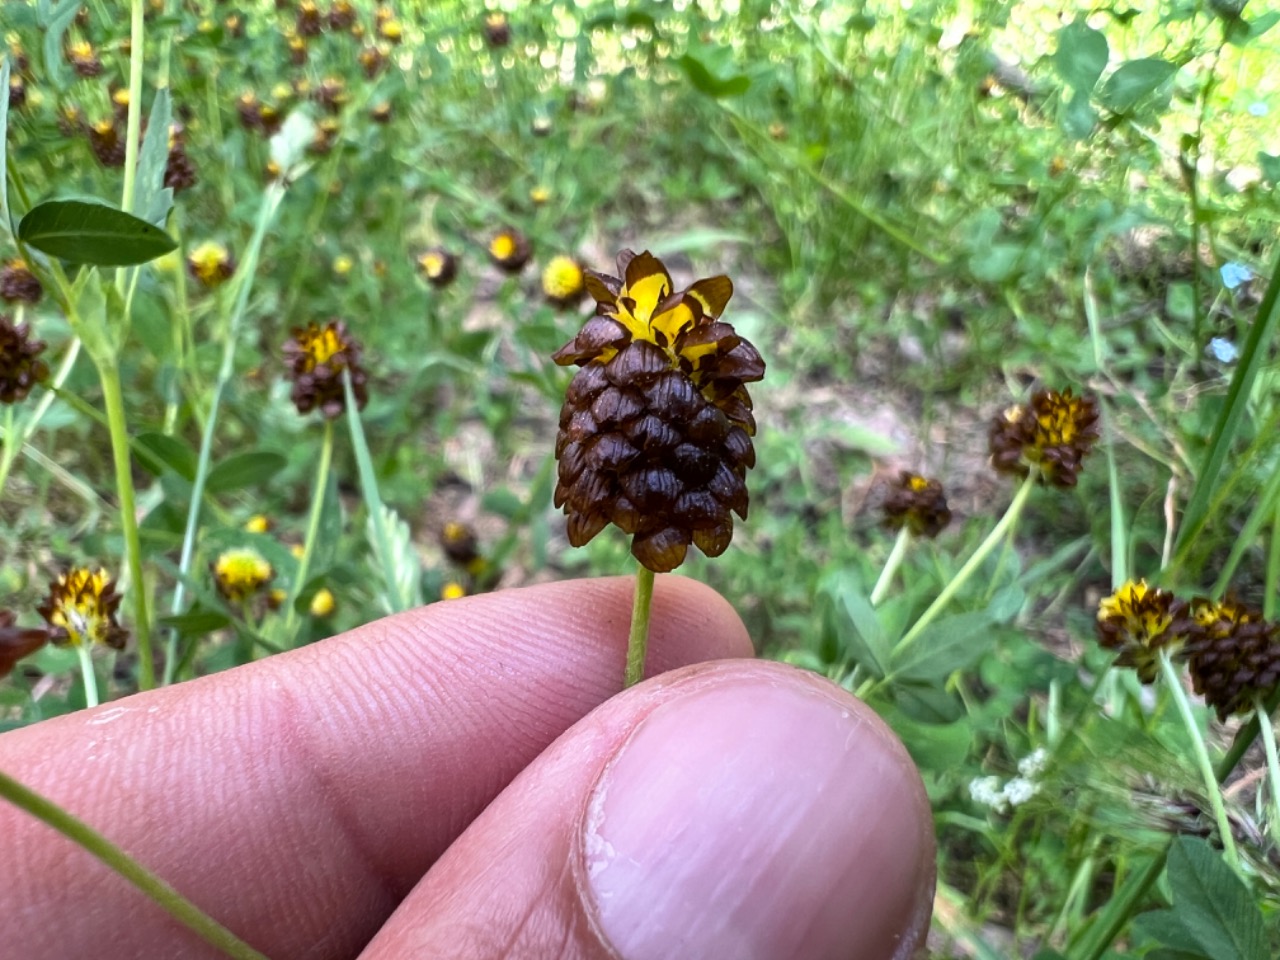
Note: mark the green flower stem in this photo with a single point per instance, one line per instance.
(113, 400)
(84, 836)
(244, 278)
(313, 531)
(638, 640)
(134, 124)
(84, 651)
(372, 500)
(1273, 763)
(971, 565)
(1273, 566)
(891, 566)
(1174, 684)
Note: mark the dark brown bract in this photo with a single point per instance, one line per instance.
(20, 365)
(18, 642)
(916, 503)
(316, 356)
(1050, 435)
(655, 432)
(18, 284)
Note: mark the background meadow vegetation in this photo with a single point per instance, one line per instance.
(927, 209)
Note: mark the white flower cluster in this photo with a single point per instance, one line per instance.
(1003, 797)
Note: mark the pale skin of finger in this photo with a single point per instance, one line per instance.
(298, 799)
(857, 884)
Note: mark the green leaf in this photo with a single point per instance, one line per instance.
(1134, 81)
(933, 746)
(1270, 166)
(1214, 905)
(196, 622)
(710, 84)
(858, 628)
(84, 231)
(503, 501)
(244, 470)
(1081, 56)
(59, 19)
(4, 139)
(995, 263)
(1078, 117)
(928, 703)
(153, 198)
(1166, 927)
(159, 451)
(945, 646)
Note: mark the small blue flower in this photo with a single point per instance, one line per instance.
(1235, 274)
(1259, 109)
(1223, 350)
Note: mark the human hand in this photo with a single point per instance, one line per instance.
(466, 781)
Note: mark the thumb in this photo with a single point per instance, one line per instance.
(735, 810)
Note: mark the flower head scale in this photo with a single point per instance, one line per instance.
(241, 573)
(18, 284)
(1232, 655)
(316, 357)
(1140, 621)
(81, 609)
(20, 365)
(18, 642)
(1050, 435)
(655, 432)
(917, 504)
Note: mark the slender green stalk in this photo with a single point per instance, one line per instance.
(1273, 567)
(891, 566)
(113, 400)
(1173, 682)
(84, 836)
(1273, 763)
(244, 278)
(313, 530)
(372, 500)
(133, 125)
(84, 650)
(971, 565)
(638, 640)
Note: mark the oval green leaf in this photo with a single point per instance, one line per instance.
(89, 231)
(244, 470)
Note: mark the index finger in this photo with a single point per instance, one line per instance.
(297, 800)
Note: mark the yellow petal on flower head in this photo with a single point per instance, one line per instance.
(673, 318)
(502, 246)
(431, 263)
(647, 283)
(713, 293)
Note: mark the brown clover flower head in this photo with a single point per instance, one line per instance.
(916, 503)
(17, 92)
(18, 642)
(316, 356)
(1050, 435)
(510, 250)
(81, 609)
(309, 22)
(390, 30)
(373, 60)
(241, 573)
(331, 94)
(459, 542)
(1140, 621)
(563, 282)
(1232, 655)
(20, 365)
(655, 432)
(84, 59)
(439, 266)
(342, 16)
(326, 137)
(497, 31)
(380, 113)
(179, 171)
(211, 264)
(256, 115)
(107, 143)
(18, 284)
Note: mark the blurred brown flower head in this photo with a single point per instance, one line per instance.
(308, 22)
(179, 171)
(20, 365)
(18, 642)
(17, 92)
(297, 50)
(918, 504)
(256, 115)
(459, 542)
(497, 31)
(317, 356)
(84, 59)
(18, 284)
(373, 60)
(438, 266)
(510, 250)
(81, 609)
(1233, 655)
(380, 113)
(1140, 621)
(241, 573)
(655, 432)
(107, 143)
(331, 94)
(211, 264)
(563, 281)
(390, 30)
(342, 16)
(326, 137)
(1050, 435)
